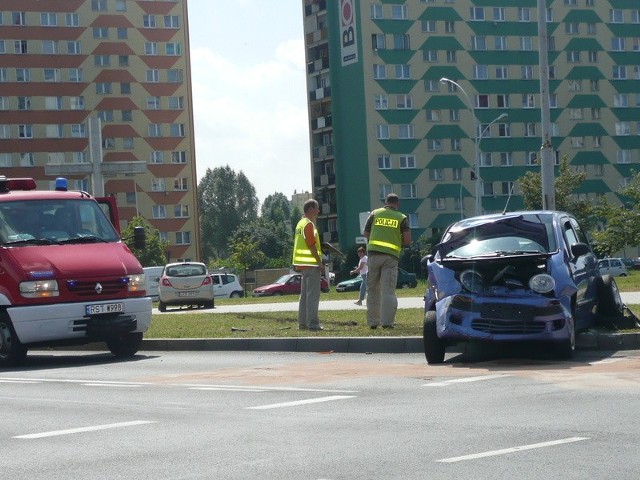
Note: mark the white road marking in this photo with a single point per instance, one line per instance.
(227, 389)
(119, 385)
(606, 360)
(261, 387)
(465, 380)
(301, 402)
(84, 429)
(505, 451)
(18, 381)
(62, 380)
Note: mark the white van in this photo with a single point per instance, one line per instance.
(152, 281)
(226, 285)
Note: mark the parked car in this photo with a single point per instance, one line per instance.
(636, 264)
(287, 285)
(612, 266)
(185, 284)
(405, 280)
(152, 281)
(629, 263)
(513, 277)
(226, 285)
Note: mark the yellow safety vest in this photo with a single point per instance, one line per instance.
(301, 253)
(385, 235)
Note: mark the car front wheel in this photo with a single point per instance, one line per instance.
(125, 346)
(433, 346)
(12, 352)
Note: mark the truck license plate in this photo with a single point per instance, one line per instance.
(104, 308)
(186, 294)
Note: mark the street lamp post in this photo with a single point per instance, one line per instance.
(477, 140)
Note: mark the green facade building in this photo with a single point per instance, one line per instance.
(382, 118)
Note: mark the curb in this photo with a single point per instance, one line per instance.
(587, 341)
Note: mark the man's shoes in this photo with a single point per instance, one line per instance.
(358, 303)
(303, 327)
(373, 327)
(388, 326)
(316, 328)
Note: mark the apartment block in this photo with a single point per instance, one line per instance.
(437, 99)
(98, 91)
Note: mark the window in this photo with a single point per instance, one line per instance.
(174, 75)
(487, 189)
(620, 72)
(573, 56)
(4, 103)
(431, 86)
(150, 48)
(76, 103)
(377, 11)
(451, 56)
(553, 100)
(531, 158)
(592, 56)
(103, 88)
(105, 115)
(408, 190)
(577, 142)
(413, 220)
(449, 26)
(379, 72)
(595, 113)
(454, 115)
(436, 174)
(78, 130)
(502, 72)
(479, 43)
(49, 47)
(486, 159)
(180, 184)
(176, 103)
(125, 88)
(407, 161)
(176, 130)
(27, 160)
(620, 100)
(20, 47)
(5, 159)
(502, 101)
(399, 12)
(2, 47)
(476, 13)
(159, 211)
(572, 28)
(405, 132)
(530, 130)
(52, 75)
(594, 85)
(482, 101)
(456, 145)
(404, 102)
(149, 21)
(382, 132)
(434, 145)
(506, 188)
(183, 238)
(403, 72)
(616, 16)
(153, 103)
(480, 72)
(504, 130)
(18, 18)
(158, 185)
(526, 72)
(127, 143)
(23, 75)
(100, 32)
(179, 157)
(500, 43)
(170, 21)
(381, 102)
(378, 41)
(401, 42)
(526, 43)
(155, 129)
(617, 44)
(121, 6)
(433, 115)
(623, 128)
(25, 131)
(575, 114)
(574, 85)
(498, 14)
(524, 14)
(597, 142)
(24, 103)
(384, 162)
(438, 203)
(173, 48)
(123, 60)
(101, 60)
(623, 156)
(181, 211)
(505, 159)
(76, 75)
(429, 26)
(153, 76)
(122, 33)
(430, 55)
(156, 157)
(99, 5)
(72, 19)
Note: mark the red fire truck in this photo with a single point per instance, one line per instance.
(66, 276)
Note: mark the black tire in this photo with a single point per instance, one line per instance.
(125, 346)
(162, 307)
(609, 300)
(209, 304)
(235, 295)
(12, 352)
(277, 294)
(433, 346)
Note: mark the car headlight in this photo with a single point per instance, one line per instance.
(136, 282)
(39, 289)
(542, 283)
(471, 280)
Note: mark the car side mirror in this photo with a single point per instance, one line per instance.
(426, 260)
(139, 238)
(579, 249)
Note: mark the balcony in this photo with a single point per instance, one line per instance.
(320, 93)
(324, 180)
(321, 122)
(322, 152)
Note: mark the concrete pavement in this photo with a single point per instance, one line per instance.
(590, 340)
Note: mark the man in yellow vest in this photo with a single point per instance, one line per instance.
(387, 230)
(307, 254)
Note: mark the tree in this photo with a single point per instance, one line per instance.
(273, 240)
(565, 184)
(226, 201)
(276, 208)
(154, 250)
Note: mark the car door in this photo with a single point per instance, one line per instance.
(603, 267)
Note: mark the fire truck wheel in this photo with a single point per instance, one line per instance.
(125, 346)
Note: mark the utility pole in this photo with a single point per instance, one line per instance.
(547, 172)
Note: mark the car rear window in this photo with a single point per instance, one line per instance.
(186, 271)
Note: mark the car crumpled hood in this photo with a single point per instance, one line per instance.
(493, 227)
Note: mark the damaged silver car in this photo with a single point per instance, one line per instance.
(519, 276)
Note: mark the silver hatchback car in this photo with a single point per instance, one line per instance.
(185, 284)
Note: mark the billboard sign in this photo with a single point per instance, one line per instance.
(348, 33)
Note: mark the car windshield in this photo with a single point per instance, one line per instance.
(520, 235)
(283, 279)
(24, 223)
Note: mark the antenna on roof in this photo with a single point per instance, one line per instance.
(508, 198)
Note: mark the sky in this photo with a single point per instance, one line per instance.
(249, 91)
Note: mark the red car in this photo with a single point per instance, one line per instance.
(287, 285)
